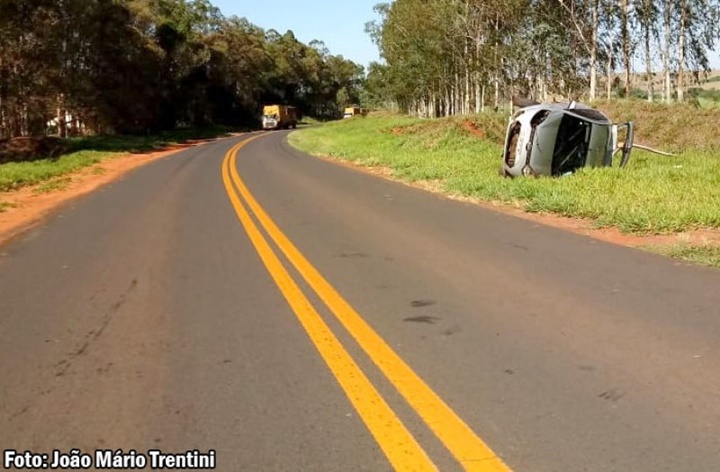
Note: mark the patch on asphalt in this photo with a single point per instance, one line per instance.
(422, 303)
(422, 319)
(353, 255)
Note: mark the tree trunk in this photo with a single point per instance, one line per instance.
(681, 52)
(3, 122)
(467, 92)
(609, 75)
(593, 49)
(497, 63)
(61, 117)
(666, 51)
(24, 122)
(497, 92)
(482, 99)
(457, 92)
(448, 102)
(467, 63)
(648, 60)
(625, 33)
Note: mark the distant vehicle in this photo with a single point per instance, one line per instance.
(279, 117)
(555, 139)
(354, 111)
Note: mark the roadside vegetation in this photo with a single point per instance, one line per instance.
(461, 156)
(85, 80)
(16, 175)
(81, 67)
(700, 254)
(33, 161)
(465, 61)
(444, 57)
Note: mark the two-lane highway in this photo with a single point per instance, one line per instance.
(293, 314)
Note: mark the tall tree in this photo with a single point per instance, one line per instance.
(647, 13)
(697, 32)
(143, 65)
(627, 46)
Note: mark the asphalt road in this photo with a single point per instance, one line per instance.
(293, 314)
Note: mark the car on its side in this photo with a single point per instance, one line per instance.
(555, 139)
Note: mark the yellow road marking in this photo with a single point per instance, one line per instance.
(400, 447)
(471, 451)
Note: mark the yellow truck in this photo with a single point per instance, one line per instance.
(354, 111)
(279, 117)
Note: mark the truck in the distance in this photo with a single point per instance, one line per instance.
(354, 111)
(279, 117)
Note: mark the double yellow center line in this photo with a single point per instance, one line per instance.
(398, 444)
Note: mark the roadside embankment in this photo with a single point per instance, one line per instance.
(669, 204)
(29, 161)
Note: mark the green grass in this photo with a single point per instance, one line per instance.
(309, 120)
(708, 103)
(53, 185)
(79, 153)
(15, 175)
(706, 255)
(654, 194)
(672, 127)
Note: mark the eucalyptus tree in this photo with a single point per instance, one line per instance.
(411, 39)
(647, 13)
(697, 30)
(144, 65)
(626, 41)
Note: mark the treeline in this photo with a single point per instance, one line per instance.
(445, 57)
(138, 66)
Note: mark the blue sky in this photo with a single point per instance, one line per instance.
(340, 24)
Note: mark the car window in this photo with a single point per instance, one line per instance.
(571, 145)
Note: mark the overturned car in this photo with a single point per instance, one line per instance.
(555, 139)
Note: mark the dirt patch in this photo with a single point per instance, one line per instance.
(580, 226)
(28, 206)
(474, 129)
(398, 131)
(427, 127)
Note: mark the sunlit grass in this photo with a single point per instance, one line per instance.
(706, 254)
(84, 152)
(53, 185)
(654, 194)
(15, 175)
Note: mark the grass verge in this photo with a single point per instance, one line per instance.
(706, 254)
(53, 185)
(78, 153)
(15, 175)
(654, 194)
